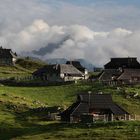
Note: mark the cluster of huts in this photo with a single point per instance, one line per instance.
(121, 71)
(117, 71)
(88, 107)
(70, 71)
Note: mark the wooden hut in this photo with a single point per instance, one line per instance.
(93, 107)
(7, 57)
(121, 71)
(59, 73)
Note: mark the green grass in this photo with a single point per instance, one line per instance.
(63, 95)
(52, 95)
(13, 71)
(23, 68)
(29, 63)
(57, 131)
(17, 122)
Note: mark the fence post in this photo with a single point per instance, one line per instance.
(125, 118)
(112, 117)
(129, 117)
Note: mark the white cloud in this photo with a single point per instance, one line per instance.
(81, 31)
(75, 41)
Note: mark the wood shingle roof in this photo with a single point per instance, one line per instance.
(98, 101)
(76, 64)
(58, 69)
(85, 102)
(129, 74)
(128, 62)
(107, 74)
(70, 70)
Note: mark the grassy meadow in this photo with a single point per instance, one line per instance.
(17, 122)
(24, 67)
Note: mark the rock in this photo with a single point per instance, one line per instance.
(136, 95)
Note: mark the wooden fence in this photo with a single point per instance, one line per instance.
(135, 117)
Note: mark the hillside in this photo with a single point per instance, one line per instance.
(20, 118)
(29, 63)
(23, 110)
(23, 67)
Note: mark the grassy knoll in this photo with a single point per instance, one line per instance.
(23, 67)
(13, 71)
(52, 95)
(29, 64)
(17, 121)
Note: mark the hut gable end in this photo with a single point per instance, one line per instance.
(7, 57)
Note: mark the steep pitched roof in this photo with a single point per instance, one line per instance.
(128, 62)
(107, 74)
(76, 64)
(82, 108)
(94, 98)
(43, 70)
(96, 101)
(58, 69)
(116, 109)
(70, 70)
(129, 73)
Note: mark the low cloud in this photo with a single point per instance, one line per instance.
(75, 41)
(47, 30)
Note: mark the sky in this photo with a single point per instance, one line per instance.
(126, 2)
(94, 30)
(103, 2)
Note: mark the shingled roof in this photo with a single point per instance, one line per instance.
(128, 62)
(70, 70)
(107, 74)
(76, 64)
(129, 73)
(46, 68)
(58, 69)
(86, 101)
(97, 101)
